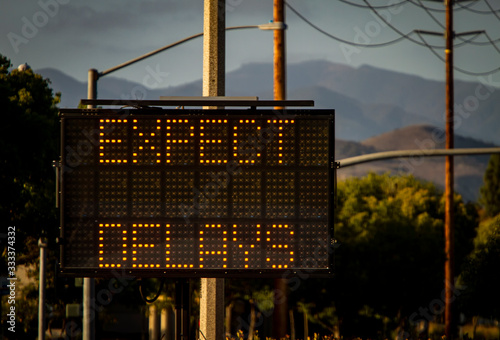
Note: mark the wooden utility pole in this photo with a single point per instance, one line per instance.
(448, 218)
(212, 290)
(280, 314)
(279, 52)
(449, 225)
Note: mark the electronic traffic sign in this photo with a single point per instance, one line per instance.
(197, 193)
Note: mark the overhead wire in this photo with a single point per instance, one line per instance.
(477, 11)
(492, 10)
(406, 36)
(464, 41)
(442, 10)
(418, 3)
(475, 34)
(426, 10)
(430, 9)
(492, 42)
(402, 35)
(337, 38)
(423, 42)
(377, 7)
(470, 41)
(403, 2)
(419, 43)
(456, 68)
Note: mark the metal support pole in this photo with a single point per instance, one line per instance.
(449, 219)
(280, 315)
(182, 303)
(42, 243)
(93, 76)
(378, 156)
(89, 283)
(212, 290)
(88, 309)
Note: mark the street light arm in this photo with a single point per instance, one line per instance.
(378, 156)
(152, 53)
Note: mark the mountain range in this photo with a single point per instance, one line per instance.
(375, 110)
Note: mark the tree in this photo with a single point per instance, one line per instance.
(390, 263)
(490, 192)
(29, 137)
(480, 273)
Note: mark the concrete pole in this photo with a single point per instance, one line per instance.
(212, 309)
(214, 48)
(166, 324)
(89, 283)
(449, 275)
(88, 309)
(212, 290)
(42, 243)
(154, 323)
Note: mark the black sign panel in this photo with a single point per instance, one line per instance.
(198, 193)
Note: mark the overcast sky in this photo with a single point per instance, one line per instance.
(75, 35)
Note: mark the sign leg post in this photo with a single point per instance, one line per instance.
(182, 303)
(212, 289)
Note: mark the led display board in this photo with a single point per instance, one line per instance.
(197, 193)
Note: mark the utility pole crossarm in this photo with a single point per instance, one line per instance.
(378, 156)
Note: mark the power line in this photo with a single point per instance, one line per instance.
(462, 7)
(377, 7)
(492, 10)
(423, 42)
(406, 36)
(340, 39)
(477, 11)
(492, 42)
(428, 11)
(464, 41)
(469, 73)
(417, 42)
(421, 5)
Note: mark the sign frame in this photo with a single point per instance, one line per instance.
(73, 158)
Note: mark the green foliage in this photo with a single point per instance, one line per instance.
(486, 231)
(480, 273)
(490, 192)
(29, 136)
(392, 257)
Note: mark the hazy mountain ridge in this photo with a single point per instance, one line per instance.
(368, 101)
